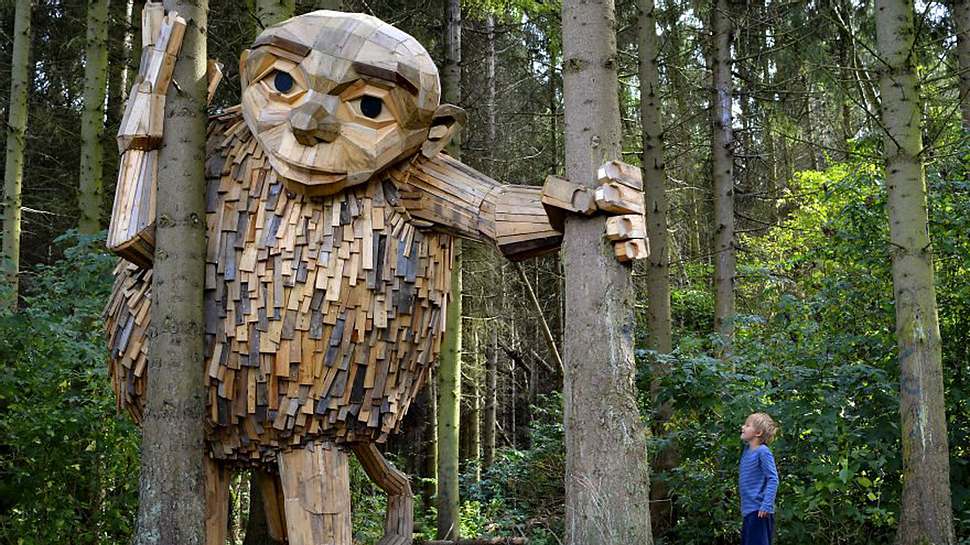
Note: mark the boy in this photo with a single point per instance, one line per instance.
(758, 480)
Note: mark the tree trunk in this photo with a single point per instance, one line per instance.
(490, 96)
(604, 494)
(655, 186)
(91, 179)
(14, 166)
(449, 410)
(449, 369)
(430, 489)
(961, 18)
(722, 151)
(270, 12)
(257, 527)
(926, 516)
(491, 396)
(491, 350)
(172, 495)
(474, 453)
(120, 33)
(658, 279)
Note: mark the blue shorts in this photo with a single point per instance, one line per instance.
(757, 531)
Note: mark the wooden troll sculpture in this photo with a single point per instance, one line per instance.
(331, 218)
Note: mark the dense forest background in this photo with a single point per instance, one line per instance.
(813, 332)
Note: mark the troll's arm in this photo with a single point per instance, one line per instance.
(522, 221)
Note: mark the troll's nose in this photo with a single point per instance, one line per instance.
(313, 121)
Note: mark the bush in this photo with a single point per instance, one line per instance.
(70, 462)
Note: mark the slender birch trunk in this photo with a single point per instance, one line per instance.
(722, 152)
(171, 507)
(91, 179)
(604, 494)
(926, 517)
(13, 174)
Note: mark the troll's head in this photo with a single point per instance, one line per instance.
(335, 97)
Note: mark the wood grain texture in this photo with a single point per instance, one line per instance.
(324, 315)
(316, 495)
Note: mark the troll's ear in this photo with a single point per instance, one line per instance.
(243, 77)
(445, 124)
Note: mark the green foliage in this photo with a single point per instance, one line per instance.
(816, 350)
(522, 493)
(70, 462)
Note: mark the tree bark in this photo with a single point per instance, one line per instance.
(926, 515)
(491, 397)
(91, 179)
(171, 507)
(604, 494)
(961, 18)
(474, 453)
(491, 350)
(257, 527)
(430, 489)
(449, 410)
(722, 151)
(14, 166)
(120, 33)
(449, 369)
(270, 12)
(655, 186)
(658, 279)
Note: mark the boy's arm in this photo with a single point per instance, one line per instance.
(767, 462)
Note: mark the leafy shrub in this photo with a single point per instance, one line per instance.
(69, 461)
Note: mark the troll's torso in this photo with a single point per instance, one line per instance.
(323, 316)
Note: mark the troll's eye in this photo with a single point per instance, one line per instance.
(371, 106)
(283, 82)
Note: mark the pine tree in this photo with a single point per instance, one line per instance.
(91, 179)
(722, 144)
(13, 174)
(926, 517)
(172, 507)
(449, 368)
(604, 494)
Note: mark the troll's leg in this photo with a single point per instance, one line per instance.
(399, 520)
(316, 495)
(216, 502)
(271, 493)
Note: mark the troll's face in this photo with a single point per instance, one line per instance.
(333, 98)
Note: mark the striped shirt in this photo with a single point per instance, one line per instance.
(757, 480)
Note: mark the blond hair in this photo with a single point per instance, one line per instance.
(764, 424)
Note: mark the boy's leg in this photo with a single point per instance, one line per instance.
(757, 531)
